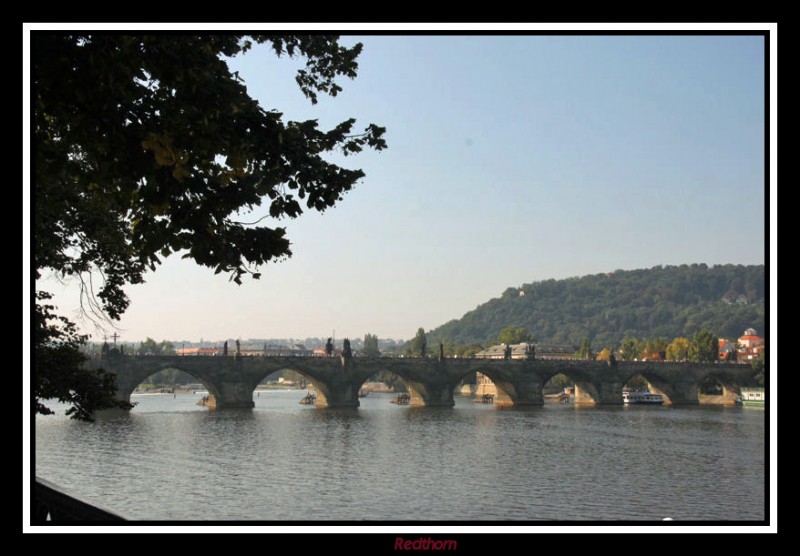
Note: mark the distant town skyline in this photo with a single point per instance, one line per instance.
(511, 159)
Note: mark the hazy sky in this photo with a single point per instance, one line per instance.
(510, 159)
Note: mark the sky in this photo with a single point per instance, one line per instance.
(511, 159)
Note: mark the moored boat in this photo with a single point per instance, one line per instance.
(643, 397)
(753, 397)
(402, 399)
(309, 399)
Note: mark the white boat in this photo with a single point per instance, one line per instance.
(644, 397)
(752, 397)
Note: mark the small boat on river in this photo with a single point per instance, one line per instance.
(402, 399)
(309, 399)
(752, 397)
(641, 397)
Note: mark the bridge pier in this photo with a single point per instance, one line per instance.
(437, 394)
(730, 395)
(337, 393)
(232, 395)
(681, 393)
(609, 393)
(520, 393)
(585, 394)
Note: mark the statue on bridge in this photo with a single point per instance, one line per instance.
(507, 352)
(225, 348)
(441, 351)
(612, 361)
(328, 348)
(347, 353)
(530, 352)
(238, 351)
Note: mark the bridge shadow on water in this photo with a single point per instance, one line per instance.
(345, 416)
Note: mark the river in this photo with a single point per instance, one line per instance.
(170, 459)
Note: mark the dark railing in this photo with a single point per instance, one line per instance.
(53, 504)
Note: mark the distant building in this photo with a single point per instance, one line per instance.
(750, 339)
(727, 351)
(297, 350)
(484, 385)
(282, 351)
(750, 345)
(319, 351)
(197, 351)
(520, 351)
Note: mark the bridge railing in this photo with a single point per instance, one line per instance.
(539, 357)
(53, 504)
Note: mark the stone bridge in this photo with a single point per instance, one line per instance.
(231, 380)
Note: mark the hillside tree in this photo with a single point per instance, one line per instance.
(419, 343)
(585, 349)
(758, 365)
(150, 347)
(370, 347)
(630, 349)
(678, 349)
(704, 347)
(604, 355)
(512, 336)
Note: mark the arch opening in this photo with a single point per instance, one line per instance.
(647, 389)
(486, 386)
(716, 390)
(284, 379)
(477, 387)
(559, 389)
(391, 387)
(570, 386)
(170, 383)
(283, 383)
(310, 390)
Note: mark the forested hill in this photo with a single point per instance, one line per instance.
(665, 301)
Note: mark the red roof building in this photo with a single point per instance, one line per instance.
(750, 345)
(750, 339)
(727, 351)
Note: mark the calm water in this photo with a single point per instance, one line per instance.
(172, 459)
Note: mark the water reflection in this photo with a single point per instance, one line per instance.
(171, 459)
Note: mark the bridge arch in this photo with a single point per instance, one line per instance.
(655, 383)
(509, 390)
(391, 378)
(329, 393)
(586, 392)
(730, 387)
(560, 388)
(426, 386)
(132, 380)
(232, 380)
